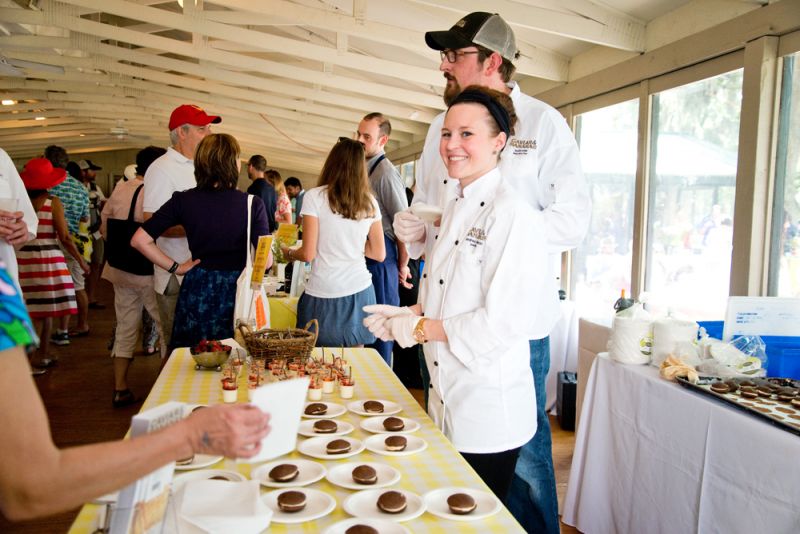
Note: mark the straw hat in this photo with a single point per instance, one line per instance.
(40, 174)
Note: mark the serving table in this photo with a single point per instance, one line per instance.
(651, 456)
(438, 466)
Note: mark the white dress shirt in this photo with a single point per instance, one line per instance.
(171, 172)
(488, 279)
(541, 161)
(11, 186)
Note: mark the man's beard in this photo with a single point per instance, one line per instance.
(451, 90)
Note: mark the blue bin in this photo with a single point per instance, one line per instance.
(783, 352)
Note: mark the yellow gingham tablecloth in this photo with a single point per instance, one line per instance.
(438, 466)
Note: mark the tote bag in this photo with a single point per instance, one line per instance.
(119, 252)
(251, 300)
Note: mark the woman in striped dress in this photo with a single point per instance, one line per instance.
(43, 274)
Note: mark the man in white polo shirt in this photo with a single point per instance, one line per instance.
(174, 171)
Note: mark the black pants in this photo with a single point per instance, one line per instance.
(496, 469)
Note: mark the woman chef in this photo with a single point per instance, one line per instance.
(485, 293)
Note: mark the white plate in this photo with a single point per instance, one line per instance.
(436, 503)
(199, 461)
(308, 473)
(334, 410)
(205, 474)
(389, 407)
(413, 446)
(307, 429)
(365, 504)
(342, 475)
(427, 212)
(375, 425)
(318, 504)
(381, 525)
(316, 448)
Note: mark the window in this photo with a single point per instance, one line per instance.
(406, 171)
(785, 245)
(694, 143)
(601, 265)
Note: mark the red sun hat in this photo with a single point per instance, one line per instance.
(39, 173)
(191, 114)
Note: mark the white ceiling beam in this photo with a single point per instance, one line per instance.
(604, 28)
(60, 17)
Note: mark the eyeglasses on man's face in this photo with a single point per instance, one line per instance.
(451, 55)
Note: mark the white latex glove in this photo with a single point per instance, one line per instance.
(408, 228)
(401, 328)
(386, 310)
(379, 314)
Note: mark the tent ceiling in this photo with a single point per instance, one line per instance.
(288, 77)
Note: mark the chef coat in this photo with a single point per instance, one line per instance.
(488, 279)
(541, 161)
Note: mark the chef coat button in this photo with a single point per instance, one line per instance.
(430, 386)
(436, 364)
(445, 181)
(436, 236)
(441, 281)
(425, 275)
(456, 241)
(482, 203)
(441, 401)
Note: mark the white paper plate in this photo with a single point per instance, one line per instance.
(308, 473)
(205, 474)
(318, 504)
(413, 446)
(317, 448)
(389, 407)
(365, 504)
(427, 212)
(436, 503)
(307, 429)
(381, 525)
(334, 410)
(342, 475)
(375, 425)
(199, 461)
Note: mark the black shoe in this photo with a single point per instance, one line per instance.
(60, 338)
(96, 306)
(124, 398)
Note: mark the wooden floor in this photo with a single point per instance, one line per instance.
(77, 395)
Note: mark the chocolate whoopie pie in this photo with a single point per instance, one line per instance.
(392, 502)
(393, 424)
(461, 503)
(364, 474)
(284, 472)
(221, 477)
(291, 501)
(764, 391)
(338, 446)
(720, 387)
(395, 443)
(747, 383)
(733, 385)
(361, 529)
(748, 393)
(372, 406)
(316, 408)
(325, 426)
(796, 402)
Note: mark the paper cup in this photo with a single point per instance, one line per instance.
(346, 392)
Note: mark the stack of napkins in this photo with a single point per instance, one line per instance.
(220, 506)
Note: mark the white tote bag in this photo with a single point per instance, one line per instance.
(251, 300)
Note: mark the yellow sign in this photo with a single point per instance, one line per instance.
(260, 260)
(287, 234)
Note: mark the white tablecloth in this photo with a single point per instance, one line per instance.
(651, 456)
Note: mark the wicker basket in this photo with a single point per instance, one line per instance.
(289, 343)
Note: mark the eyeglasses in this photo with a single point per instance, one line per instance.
(451, 55)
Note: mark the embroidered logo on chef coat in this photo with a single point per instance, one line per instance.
(476, 237)
(521, 146)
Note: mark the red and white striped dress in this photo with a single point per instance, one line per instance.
(43, 274)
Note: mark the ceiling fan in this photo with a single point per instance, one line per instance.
(121, 132)
(13, 67)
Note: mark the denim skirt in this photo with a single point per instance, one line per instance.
(340, 318)
(205, 307)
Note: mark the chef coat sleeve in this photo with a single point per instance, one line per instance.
(427, 173)
(519, 300)
(563, 191)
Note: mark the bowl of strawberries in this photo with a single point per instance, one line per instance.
(210, 354)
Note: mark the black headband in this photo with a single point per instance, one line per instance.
(498, 112)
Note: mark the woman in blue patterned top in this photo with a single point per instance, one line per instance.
(38, 479)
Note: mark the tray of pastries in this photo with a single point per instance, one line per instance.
(776, 400)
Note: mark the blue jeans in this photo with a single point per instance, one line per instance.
(386, 282)
(532, 499)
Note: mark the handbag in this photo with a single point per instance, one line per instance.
(119, 252)
(251, 303)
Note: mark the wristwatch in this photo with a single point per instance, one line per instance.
(419, 331)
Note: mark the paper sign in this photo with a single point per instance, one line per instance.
(761, 316)
(284, 401)
(287, 234)
(260, 260)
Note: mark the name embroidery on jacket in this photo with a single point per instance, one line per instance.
(521, 146)
(475, 237)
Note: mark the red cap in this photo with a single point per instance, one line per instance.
(40, 174)
(191, 114)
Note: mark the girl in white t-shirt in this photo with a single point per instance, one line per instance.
(341, 225)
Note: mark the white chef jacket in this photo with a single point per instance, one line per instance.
(487, 279)
(541, 161)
